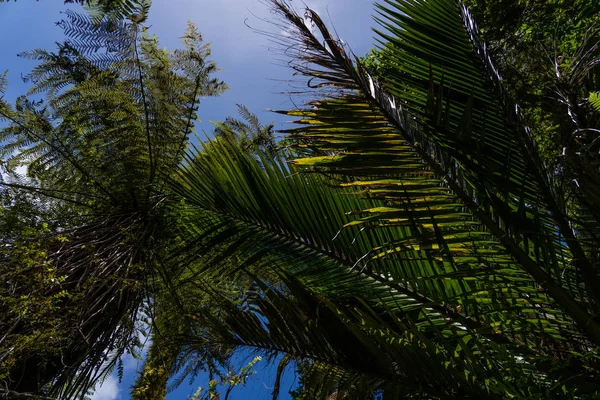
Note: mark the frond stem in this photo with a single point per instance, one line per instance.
(146, 111)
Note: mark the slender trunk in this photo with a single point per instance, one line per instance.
(151, 383)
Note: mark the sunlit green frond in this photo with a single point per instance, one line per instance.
(594, 100)
(267, 217)
(476, 211)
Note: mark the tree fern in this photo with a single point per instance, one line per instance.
(114, 124)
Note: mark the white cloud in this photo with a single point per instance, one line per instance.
(133, 364)
(21, 170)
(108, 390)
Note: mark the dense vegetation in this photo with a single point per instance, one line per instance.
(412, 238)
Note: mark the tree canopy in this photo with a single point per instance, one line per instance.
(417, 236)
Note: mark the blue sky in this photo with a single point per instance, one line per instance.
(250, 68)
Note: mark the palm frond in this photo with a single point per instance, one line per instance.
(255, 217)
(594, 100)
(443, 164)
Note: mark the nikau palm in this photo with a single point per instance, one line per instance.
(442, 152)
(495, 268)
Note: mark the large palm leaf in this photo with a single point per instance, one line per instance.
(314, 299)
(479, 225)
(453, 166)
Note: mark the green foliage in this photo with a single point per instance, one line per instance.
(538, 46)
(416, 244)
(440, 149)
(209, 184)
(250, 135)
(229, 380)
(547, 53)
(162, 355)
(31, 320)
(594, 100)
(114, 124)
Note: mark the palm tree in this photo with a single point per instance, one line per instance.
(473, 271)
